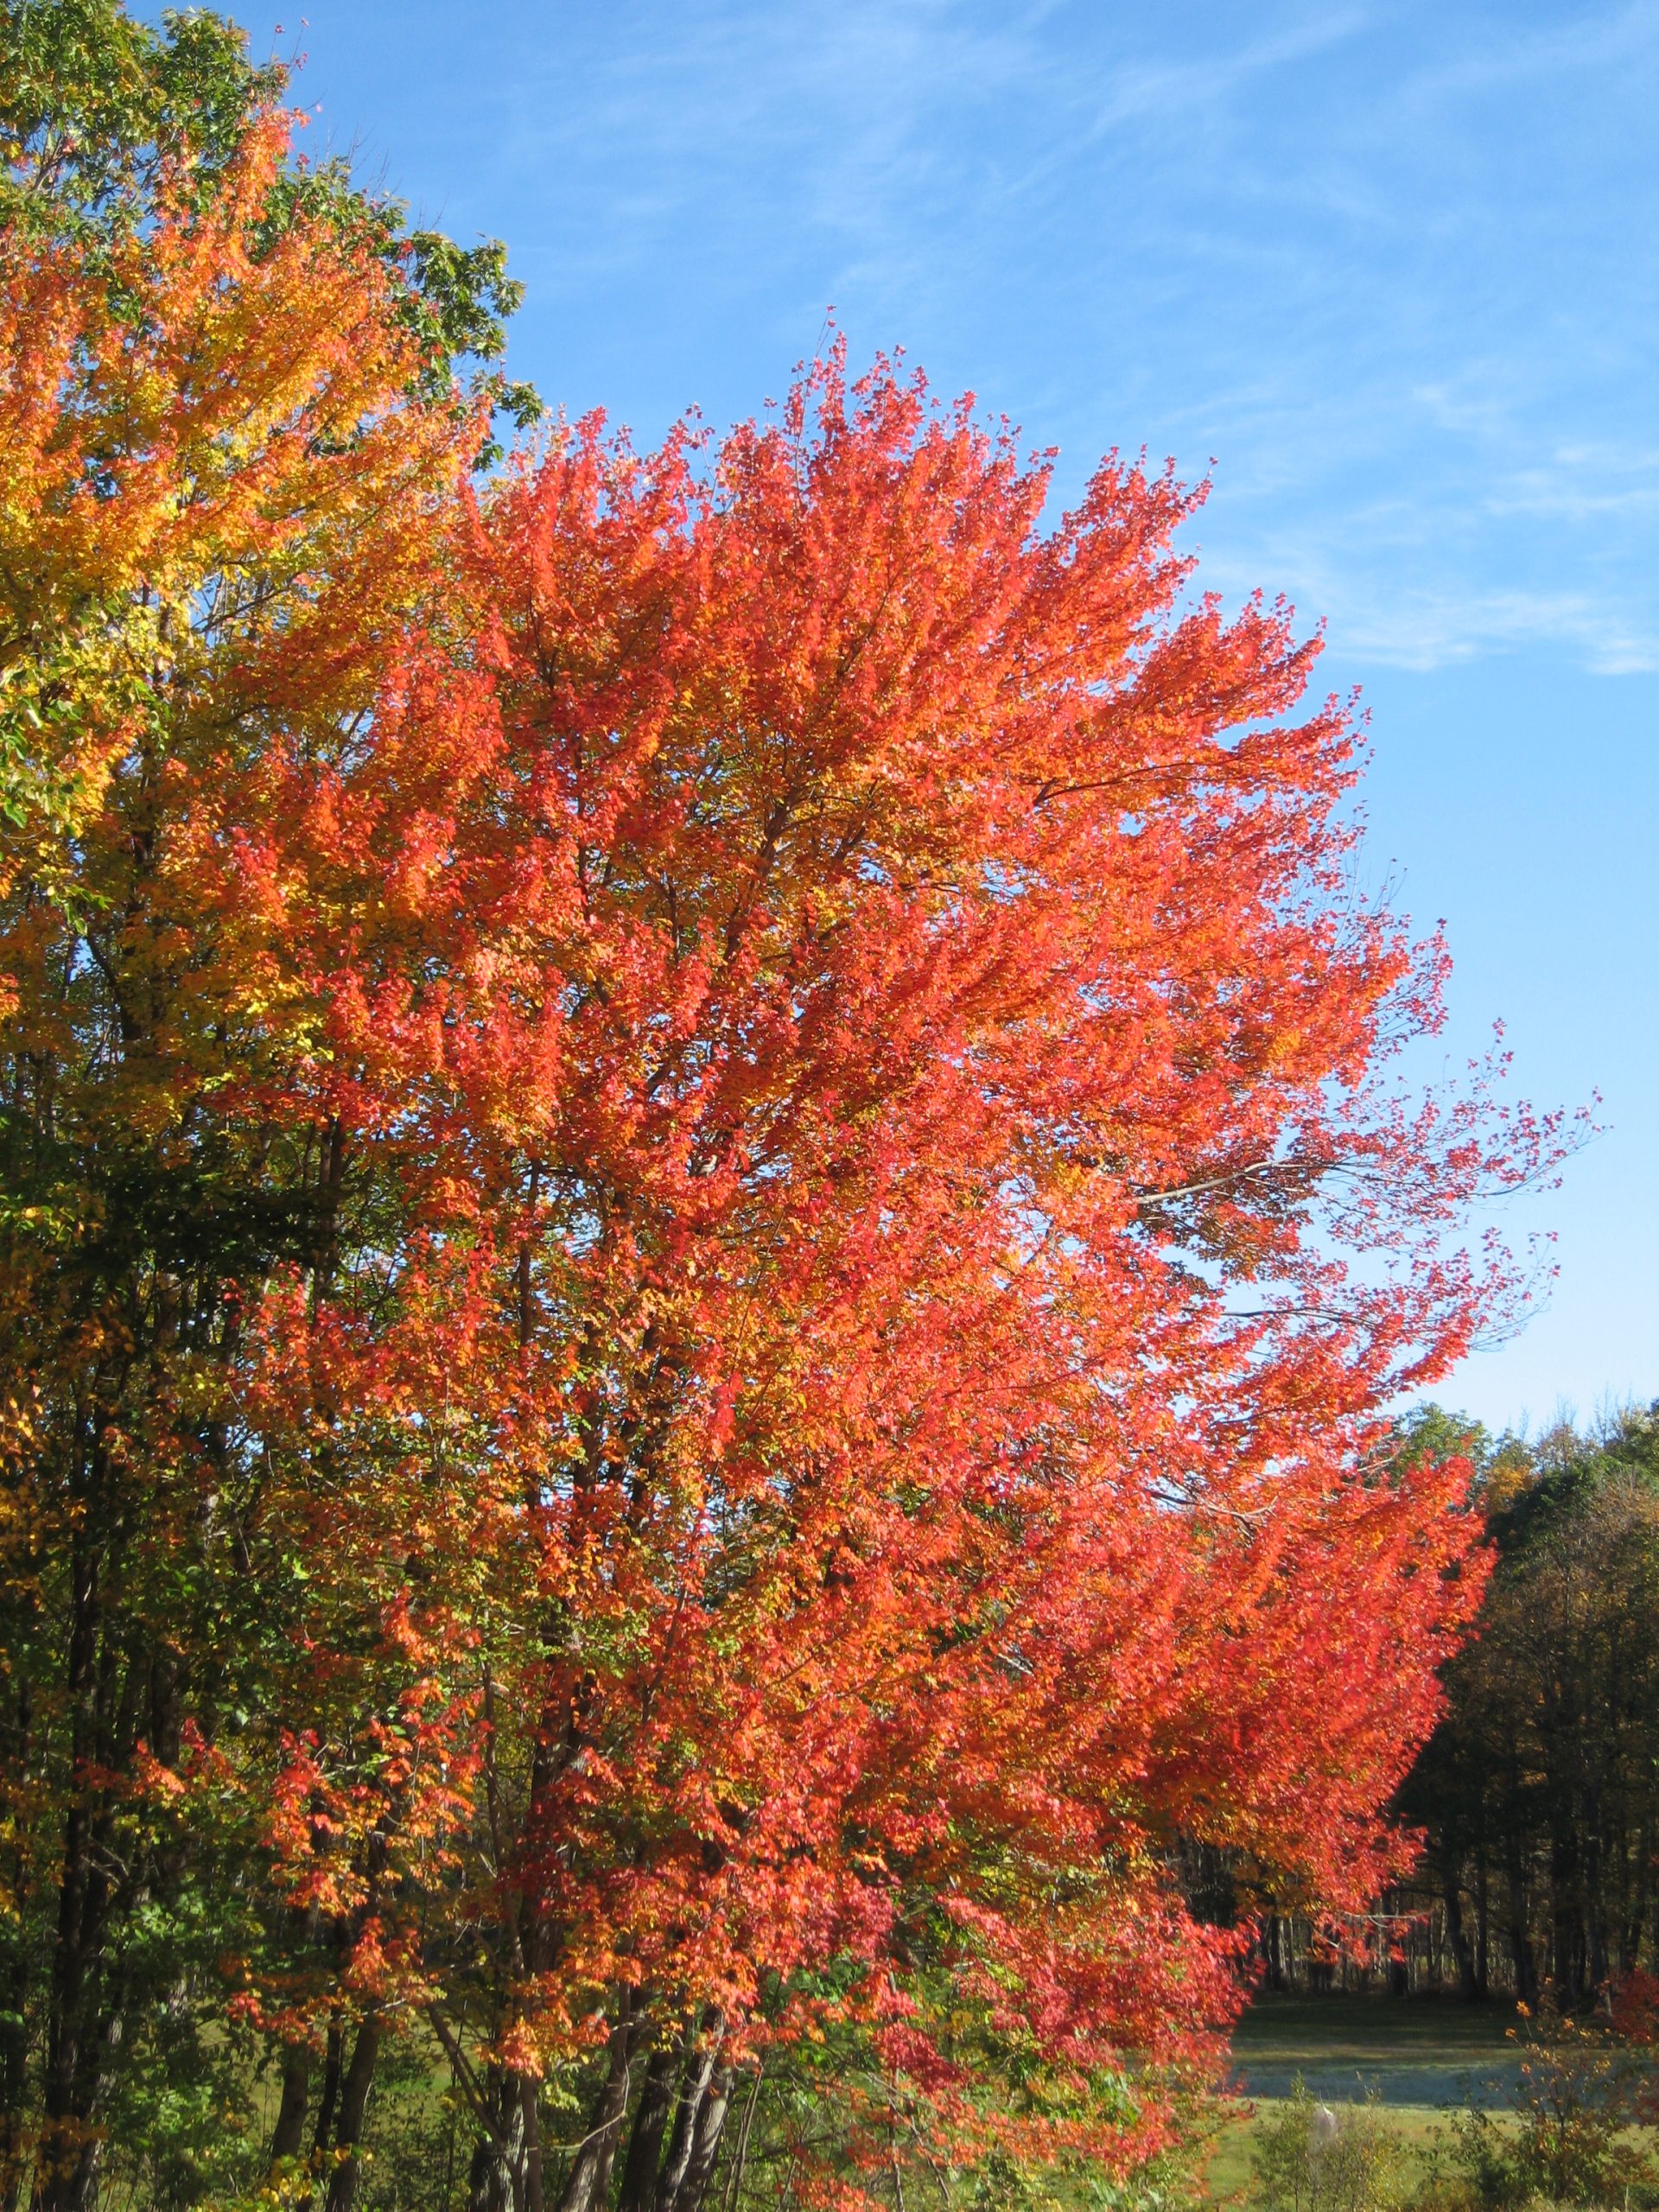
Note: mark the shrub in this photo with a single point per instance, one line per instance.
(1576, 2099)
(1310, 2157)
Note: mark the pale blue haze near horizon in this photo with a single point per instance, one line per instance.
(1392, 266)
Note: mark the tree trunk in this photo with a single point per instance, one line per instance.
(734, 2190)
(353, 2109)
(20, 1972)
(1482, 1933)
(488, 2189)
(13, 2065)
(705, 2141)
(650, 2126)
(1566, 1924)
(60, 2184)
(1456, 1934)
(1270, 1944)
(331, 2066)
(493, 2180)
(588, 2185)
(85, 2009)
(1526, 1964)
(686, 2130)
(1592, 1890)
(530, 2122)
(289, 2130)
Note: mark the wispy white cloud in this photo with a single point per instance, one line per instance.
(1428, 629)
(1390, 262)
(1411, 608)
(1585, 484)
(1383, 261)
(1181, 90)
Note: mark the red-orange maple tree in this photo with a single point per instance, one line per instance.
(834, 1428)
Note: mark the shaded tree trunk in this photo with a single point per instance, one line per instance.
(588, 2185)
(650, 2120)
(353, 2110)
(20, 1967)
(683, 2140)
(530, 2122)
(331, 2066)
(289, 2133)
(83, 2020)
(493, 2183)
(1521, 1950)
(1566, 1922)
(1482, 1933)
(14, 2055)
(706, 2132)
(1457, 1934)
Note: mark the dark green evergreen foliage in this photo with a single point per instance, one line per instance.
(1540, 1792)
(1538, 1795)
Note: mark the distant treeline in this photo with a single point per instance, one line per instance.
(1538, 1795)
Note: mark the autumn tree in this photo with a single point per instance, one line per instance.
(858, 997)
(227, 422)
(707, 1229)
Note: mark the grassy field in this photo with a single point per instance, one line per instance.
(1418, 2057)
(1226, 2171)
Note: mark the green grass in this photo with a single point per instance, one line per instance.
(1226, 2172)
(1419, 2057)
(1421, 2060)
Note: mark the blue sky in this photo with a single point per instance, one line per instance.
(1392, 266)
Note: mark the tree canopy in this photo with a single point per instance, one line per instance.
(706, 1236)
(1538, 1788)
